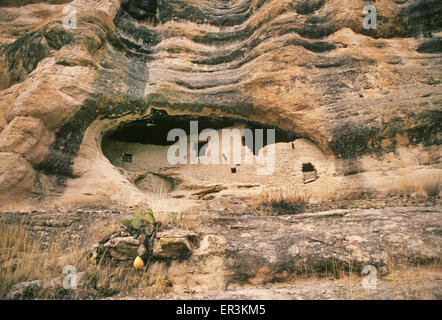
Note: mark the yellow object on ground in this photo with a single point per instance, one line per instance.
(138, 263)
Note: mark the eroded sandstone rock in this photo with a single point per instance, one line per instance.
(308, 67)
(26, 136)
(122, 248)
(126, 244)
(16, 174)
(174, 244)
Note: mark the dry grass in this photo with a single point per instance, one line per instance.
(432, 186)
(123, 281)
(189, 221)
(429, 185)
(24, 258)
(20, 257)
(170, 219)
(327, 192)
(167, 220)
(282, 200)
(296, 201)
(99, 231)
(154, 282)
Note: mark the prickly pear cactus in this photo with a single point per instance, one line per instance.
(140, 219)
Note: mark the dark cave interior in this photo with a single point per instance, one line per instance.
(154, 130)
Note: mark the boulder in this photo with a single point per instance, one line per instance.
(126, 244)
(174, 244)
(122, 248)
(26, 136)
(18, 290)
(16, 174)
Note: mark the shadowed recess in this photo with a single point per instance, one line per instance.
(154, 130)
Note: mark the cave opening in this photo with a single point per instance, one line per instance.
(154, 130)
(142, 149)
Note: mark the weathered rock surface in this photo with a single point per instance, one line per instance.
(126, 244)
(255, 250)
(317, 241)
(16, 174)
(429, 288)
(26, 136)
(174, 244)
(307, 67)
(233, 251)
(122, 248)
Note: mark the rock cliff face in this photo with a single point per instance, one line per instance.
(368, 102)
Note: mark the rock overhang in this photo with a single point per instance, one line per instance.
(259, 61)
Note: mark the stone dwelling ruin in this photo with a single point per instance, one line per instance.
(146, 146)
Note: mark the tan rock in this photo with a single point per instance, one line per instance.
(365, 99)
(173, 244)
(211, 244)
(26, 136)
(74, 56)
(355, 239)
(52, 93)
(122, 248)
(16, 174)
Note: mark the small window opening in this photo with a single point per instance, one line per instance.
(308, 167)
(127, 157)
(309, 172)
(202, 148)
(233, 170)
